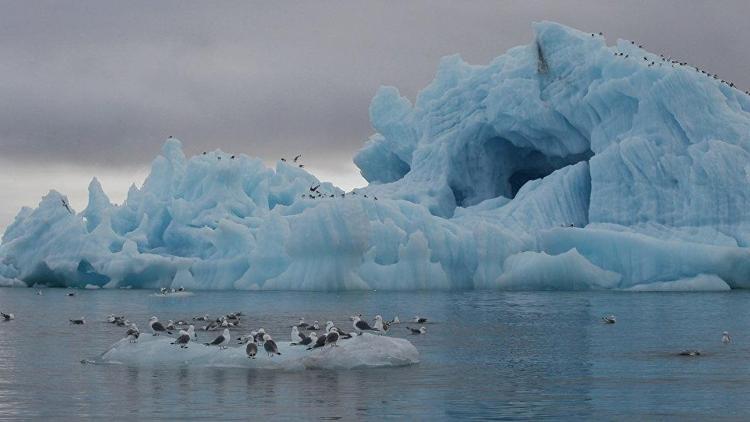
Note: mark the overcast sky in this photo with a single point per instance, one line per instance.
(94, 87)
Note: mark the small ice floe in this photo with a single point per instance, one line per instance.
(365, 351)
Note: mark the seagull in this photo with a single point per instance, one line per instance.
(38, 292)
(220, 341)
(302, 323)
(725, 338)
(421, 330)
(330, 326)
(132, 334)
(420, 320)
(311, 339)
(71, 294)
(283, 159)
(182, 339)
(395, 320)
(609, 319)
(297, 158)
(360, 325)
(156, 326)
(319, 342)
(251, 349)
(333, 337)
(7, 317)
(259, 336)
(79, 321)
(296, 335)
(170, 325)
(690, 353)
(270, 346)
(379, 326)
(315, 326)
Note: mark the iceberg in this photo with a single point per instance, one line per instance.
(565, 164)
(365, 351)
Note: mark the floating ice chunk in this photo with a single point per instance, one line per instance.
(699, 283)
(365, 351)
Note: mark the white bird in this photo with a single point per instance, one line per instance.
(38, 292)
(395, 320)
(379, 325)
(296, 335)
(725, 338)
(220, 341)
(156, 326)
(270, 346)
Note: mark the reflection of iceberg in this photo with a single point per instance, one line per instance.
(478, 184)
(365, 351)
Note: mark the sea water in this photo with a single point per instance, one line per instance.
(486, 355)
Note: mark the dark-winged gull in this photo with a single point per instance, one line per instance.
(332, 337)
(307, 340)
(222, 340)
(251, 349)
(609, 319)
(270, 346)
(79, 321)
(360, 325)
(296, 336)
(420, 330)
(184, 337)
(156, 326)
(132, 334)
(319, 342)
(7, 317)
(419, 320)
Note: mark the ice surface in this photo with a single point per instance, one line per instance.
(699, 283)
(562, 164)
(365, 351)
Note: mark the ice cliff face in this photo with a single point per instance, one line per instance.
(477, 185)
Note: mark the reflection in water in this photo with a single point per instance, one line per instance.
(487, 355)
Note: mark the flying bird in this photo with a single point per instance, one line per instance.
(297, 158)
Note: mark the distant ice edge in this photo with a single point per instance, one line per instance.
(561, 165)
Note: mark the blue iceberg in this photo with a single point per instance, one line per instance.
(563, 164)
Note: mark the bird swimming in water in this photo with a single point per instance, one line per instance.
(156, 326)
(419, 320)
(222, 340)
(7, 317)
(421, 330)
(609, 319)
(79, 321)
(725, 338)
(71, 294)
(689, 352)
(270, 346)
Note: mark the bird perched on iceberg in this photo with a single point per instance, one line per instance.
(132, 334)
(222, 340)
(270, 346)
(156, 326)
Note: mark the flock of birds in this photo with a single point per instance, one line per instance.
(330, 335)
(316, 193)
(666, 60)
(725, 337)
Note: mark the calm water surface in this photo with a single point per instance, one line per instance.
(488, 355)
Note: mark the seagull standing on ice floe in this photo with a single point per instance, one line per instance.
(201, 318)
(260, 335)
(183, 338)
(360, 325)
(307, 340)
(251, 349)
(132, 334)
(330, 326)
(319, 341)
(332, 337)
(421, 330)
(609, 319)
(220, 341)
(296, 335)
(725, 338)
(379, 325)
(270, 346)
(315, 326)
(156, 326)
(7, 317)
